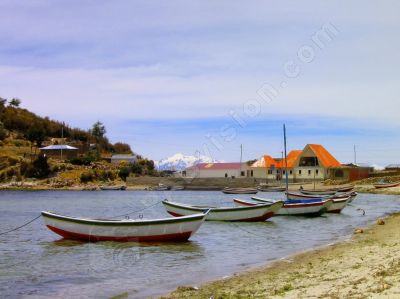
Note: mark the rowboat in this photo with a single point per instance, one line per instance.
(271, 189)
(386, 185)
(338, 204)
(343, 189)
(255, 213)
(306, 207)
(93, 230)
(291, 195)
(239, 190)
(317, 192)
(112, 188)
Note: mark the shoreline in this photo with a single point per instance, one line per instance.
(365, 189)
(338, 270)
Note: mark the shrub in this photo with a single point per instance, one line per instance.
(124, 173)
(38, 169)
(86, 177)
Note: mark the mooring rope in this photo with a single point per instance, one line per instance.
(17, 228)
(137, 211)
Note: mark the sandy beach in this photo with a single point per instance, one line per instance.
(366, 266)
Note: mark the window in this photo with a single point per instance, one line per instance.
(269, 171)
(300, 172)
(242, 173)
(284, 172)
(309, 172)
(291, 172)
(226, 175)
(251, 173)
(316, 171)
(339, 173)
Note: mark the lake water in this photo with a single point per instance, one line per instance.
(36, 263)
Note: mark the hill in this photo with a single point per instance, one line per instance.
(23, 133)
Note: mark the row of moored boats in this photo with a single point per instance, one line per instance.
(188, 218)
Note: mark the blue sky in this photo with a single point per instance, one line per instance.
(167, 77)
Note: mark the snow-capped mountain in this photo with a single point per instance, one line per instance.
(180, 161)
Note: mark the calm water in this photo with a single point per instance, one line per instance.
(34, 261)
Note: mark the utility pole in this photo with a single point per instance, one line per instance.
(287, 178)
(241, 155)
(62, 137)
(355, 155)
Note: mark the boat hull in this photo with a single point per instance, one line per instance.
(169, 229)
(299, 208)
(240, 191)
(338, 205)
(246, 214)
(382, 186)
(318, 192)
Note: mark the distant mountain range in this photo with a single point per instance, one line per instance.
(180, 162)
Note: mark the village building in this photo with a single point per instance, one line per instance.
(60, 151)
(115, 159)
(219, 170)
(313, 163)
(272, 169)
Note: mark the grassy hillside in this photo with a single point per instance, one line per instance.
(23, 133)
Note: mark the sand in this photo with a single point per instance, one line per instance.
(367, 266)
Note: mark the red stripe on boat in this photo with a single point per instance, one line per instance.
(92, 238)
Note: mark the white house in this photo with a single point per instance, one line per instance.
(115, 159)
(219, 170)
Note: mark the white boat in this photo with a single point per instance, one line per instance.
(318, 192)
(292, 195)
(228, 190)
(338, 204)
(308, 208)
(254, 213)
(92, 230)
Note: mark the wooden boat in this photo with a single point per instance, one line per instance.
(352, 195)
(160, 187)
(177, 188)
(343, 189)
(250, 214)
(112, 188)
(270, 189)
(338, 204)
(318, 192)
(386, 185)
(306, 207)
(228, 190)
(294, 196)
(92, 230)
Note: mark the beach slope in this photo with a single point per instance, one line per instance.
(367, 266)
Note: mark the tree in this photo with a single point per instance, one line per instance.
(122, 148)
(98, 130)
(2, 104)
(15, 102)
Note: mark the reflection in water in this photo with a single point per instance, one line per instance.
(35, 261)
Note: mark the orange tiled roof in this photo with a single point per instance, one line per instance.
(326, 159)
(265, 161)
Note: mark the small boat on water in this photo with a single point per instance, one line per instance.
(271, 189)
(338, 204)
(382, 185)
(342, 189)
(177, 188)
(112, 188)
(228, 190)
(318, 192)
(93, 230)
(250, 214)
(306, 207)
(160, 187)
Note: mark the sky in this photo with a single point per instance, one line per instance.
(204, 77)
